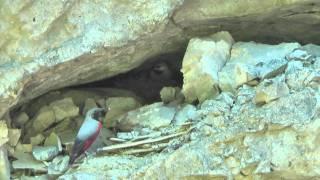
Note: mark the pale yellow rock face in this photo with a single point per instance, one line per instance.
(203, 60)
(3, 132)
(4, 164)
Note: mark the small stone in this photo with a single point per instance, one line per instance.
(14, 136)
(299, 55)
(4, 164)
(296, 80)
(59, 165)
(89, 104)
(215, 121)
(127, 135)
(38, 177)
(36, 140)
(21, 119)
(43, 119)
(23, 148)
(64, 108)
(26, 161)
(168, 94)
(45, 153)
(233, 75)
(188, 112)
(234, 164)
(270, 90)
(152, 116)
(54, 140)
(4, 132)
(119, 106)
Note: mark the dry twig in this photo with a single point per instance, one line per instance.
(138, 143)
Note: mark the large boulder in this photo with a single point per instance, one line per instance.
(47, 45)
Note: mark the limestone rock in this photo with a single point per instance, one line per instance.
(312, 49)
(43, 119)
(14, 136)
(119, 106)
(45, 153)
(53, 140)
(203, 60)
(26, 161)
(168, 94)
(36, 140)
(269, 90)
(298, 108)
(187, 113)
(3, 132)
(24, 148)
(64, 108)
(4, 164)
(58, 165)
(300, 54)
(153, 116)
(254, 53)
(39, 177)
(242, 141)
(233, 75)
(88, 104)
(298, 78)
(90, 29)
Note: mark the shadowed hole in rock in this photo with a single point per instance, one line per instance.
(147, 80)
(60, 113)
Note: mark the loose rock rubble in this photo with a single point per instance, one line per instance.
(254, 115)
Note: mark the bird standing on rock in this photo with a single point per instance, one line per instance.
(88, 132)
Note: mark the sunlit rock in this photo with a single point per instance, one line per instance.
(64, 108)
(44, 153)
(58, 165)
(14, 136)
(43, 119)
(3, 132)
(118, 106)
(269, 90)
(25, 161)
(4, 164)
(186, 113)
(203, 60)
(153, 116)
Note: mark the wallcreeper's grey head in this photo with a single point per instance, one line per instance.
(97, 113)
